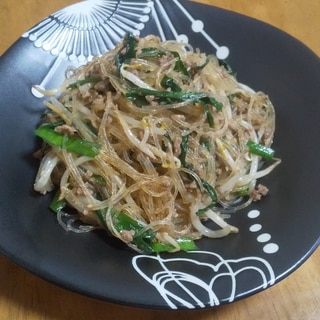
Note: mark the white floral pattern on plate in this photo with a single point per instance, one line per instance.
(179, 279)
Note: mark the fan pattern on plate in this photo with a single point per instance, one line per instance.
(89, 28)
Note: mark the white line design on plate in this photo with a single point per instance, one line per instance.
(89, 28)
(197, 26)
(198, 281)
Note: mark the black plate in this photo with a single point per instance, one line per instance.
(276, 235)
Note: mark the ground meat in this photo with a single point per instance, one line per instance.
(101, 86)
(99, 100)
(52, 117)
(39, 154)
(177, 146)
(192, 185)
(241, 106)
(78, 191)
(267, 135)
(94, 71)
(151, 100)
(87, 175)
(259, 192)
(178, 117)
(66, 129)
(127, 235)
(165, 59)
(86, 94)
(166, 184)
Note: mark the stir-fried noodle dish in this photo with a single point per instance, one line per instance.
(155, 142)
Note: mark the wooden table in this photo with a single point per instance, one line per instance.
(24, 296)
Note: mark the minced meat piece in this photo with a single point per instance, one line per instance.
(259, 192)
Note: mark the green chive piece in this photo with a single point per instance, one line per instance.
(76, 145)
(57, 204)
(260, 150)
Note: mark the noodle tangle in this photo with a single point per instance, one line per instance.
(150, 141)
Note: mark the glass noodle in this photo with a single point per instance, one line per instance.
(155, 142)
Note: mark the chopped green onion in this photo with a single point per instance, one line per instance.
(227, 66)
(202, 66)
(185, 244)
(179, 66)
(139, 100)
(210, 190)
(205, 143)
(81, 82)
(196, 97)
(168, 82)
(211, 193)
(241, 191)
(57, 204)
(218, 105)
(122, 222)
(206, 185)
(208, 113)
(97, 179)
(127, 52)
(184, 149)
(151, 52)
(143, 237)
(76, 145)
(260, 150)
(156, 53)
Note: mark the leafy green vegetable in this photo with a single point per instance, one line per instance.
(197, 68)
(207, 186)
(193, 96)
(57, 204)
(76, 145)
(97, 179)
(151, 52)
(227, 66)
(137, 94)
(211, 193)
(127, 52)
(180, 66)
(156, 53)
(143, 237)
(175, 95)
(168, 82)
(184, 150)
(80, 83)
(241, 191)
(260, 150)
(205, 143)
(208, 113)
(185, 244)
